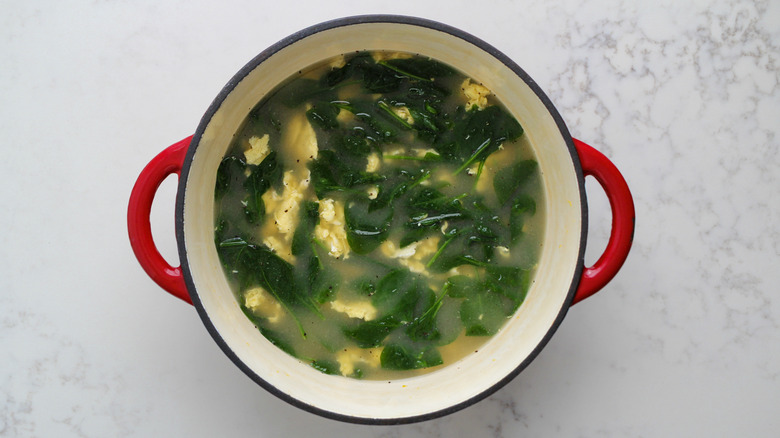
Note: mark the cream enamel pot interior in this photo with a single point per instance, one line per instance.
(561, 279)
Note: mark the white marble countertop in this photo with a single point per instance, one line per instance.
(682, 96)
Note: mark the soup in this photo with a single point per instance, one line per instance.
(379, 215)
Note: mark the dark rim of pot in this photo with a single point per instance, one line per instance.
(348, 21)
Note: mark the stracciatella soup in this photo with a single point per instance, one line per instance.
(379, 215)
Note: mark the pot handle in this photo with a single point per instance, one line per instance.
(595, 164)
(139, 227)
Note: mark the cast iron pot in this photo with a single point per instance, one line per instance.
(561, 279)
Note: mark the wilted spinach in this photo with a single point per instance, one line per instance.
(398, 356)
(402, 111)
(262, 177)
(512, 179)
(366, 228)
(333, 173)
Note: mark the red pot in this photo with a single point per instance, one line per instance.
(561, 279)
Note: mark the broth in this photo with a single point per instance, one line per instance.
(379, 215)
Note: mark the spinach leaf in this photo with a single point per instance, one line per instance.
(477, 134)
(451, 257)
(392, 78)
(425, 103)
(415, 235)
(428, 199)
(337, 75)
(390, 114)
(426, 123)
(378, 124)
(365, 286)
(396, 185)
(393, 285)
(449, 253)
(352, 69)
(420, 299)
(330, 172)
(511, 179)
(378, 79)
(370, 334)
(326, 366)
(426, 96)
(268, 172)
(220, 230)
(274, 337)
(429, 209)
(265, 119)
(386, 76)
(272, 273)
(258, 265)
(424, 327)
(323, 283)
(353, 142)
(433, 221)
(231, 177)
(254, 210)
(229, 173)
(297, 92)
(522, 207)
(363, 68)
(402, 297)
(366, 229)
(482, 314)
(231, 254)
(310, 217)
(509, 281)
(484, 231)
(397, 296)
(448, 324)
(396, 356)
(323, 114)
(375, 118)
(461, 286)
(418, 68)
(470, 239)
